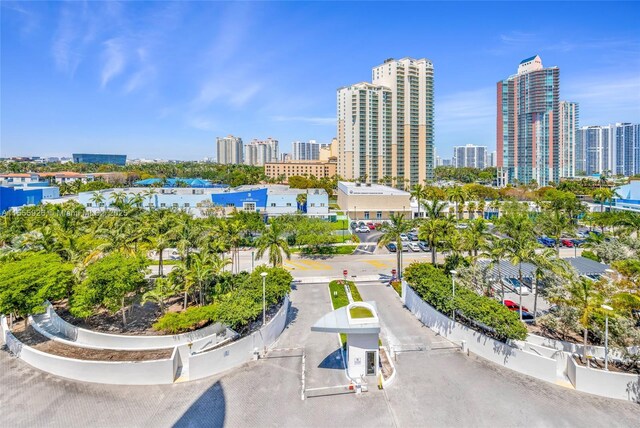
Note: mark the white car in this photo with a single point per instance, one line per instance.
(362, 229)
(413, 246)
(404, 237)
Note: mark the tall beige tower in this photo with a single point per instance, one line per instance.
(385, 129)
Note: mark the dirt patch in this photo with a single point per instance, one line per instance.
(140, 319)
(544, 332)
(35, 340)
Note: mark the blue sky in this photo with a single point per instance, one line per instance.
(162, 79)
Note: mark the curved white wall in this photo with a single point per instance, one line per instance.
(153, 372)
(201, 363)
(92, 339)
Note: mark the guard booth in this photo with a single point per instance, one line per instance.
(360, 322)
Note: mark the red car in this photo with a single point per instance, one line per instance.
(567, 243)
(371, 226)
(513, 306)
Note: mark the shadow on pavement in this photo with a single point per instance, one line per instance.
(208, 410)
(333, 361)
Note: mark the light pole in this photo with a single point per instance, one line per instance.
(252, 260)
(264, 300)
(453, 293)
(606, 335)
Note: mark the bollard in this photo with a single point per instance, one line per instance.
(465, 348)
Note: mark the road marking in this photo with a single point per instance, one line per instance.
(297, 265)
(316, 265)
(377, 263)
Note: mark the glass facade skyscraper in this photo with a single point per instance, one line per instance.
(528, 125)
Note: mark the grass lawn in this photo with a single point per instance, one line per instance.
(397, 285)
(339, 298)
(360, 312)
(340, 225)
(326, 250)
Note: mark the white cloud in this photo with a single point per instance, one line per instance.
(605, 97)
(114, 60)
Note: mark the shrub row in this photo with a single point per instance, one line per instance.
(434, 287)
(235, 309)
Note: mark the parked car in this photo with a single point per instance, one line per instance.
(578, 242)
(413, 236)
(404, 237)
(513, 305)
(371, 226)
(547, 242)
(414, 246)
(567, 243)
(391, 246)
(362, 229)
(354, 225)
(362, 223)
(423, 246)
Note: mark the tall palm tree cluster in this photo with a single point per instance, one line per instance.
(205, 247)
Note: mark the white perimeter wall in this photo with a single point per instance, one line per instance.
(507, 356)
(220, 359)
(608, 384)
(539, 358)
(111, 372)
(97, 340)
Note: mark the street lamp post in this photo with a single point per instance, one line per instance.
(252, 260)
(453, 293)
(264, 299)
(606, 336)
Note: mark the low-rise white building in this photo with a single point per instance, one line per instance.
(369, 201)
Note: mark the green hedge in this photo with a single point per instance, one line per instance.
(434, 287)
(235, 309)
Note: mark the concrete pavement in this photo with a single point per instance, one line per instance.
(433, 387)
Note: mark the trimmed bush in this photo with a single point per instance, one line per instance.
(434, 287)
(235, 309)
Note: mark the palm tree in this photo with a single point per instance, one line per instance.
(603, 195)
(476, 235)
(495, 249)
(457, 195)
(471, 206)
(433, 230)
(183, 276)
(481, 207)
(97, 198)
(188, 234)
(273, 241)
(202, 271)
(391, 233)
(161, 291)
(630, 221)
(554, 224)
(433, 208)
(148, 195)
(521, 251)
(584, 296)
(118, 199)
(419, 193)
(546, 263)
